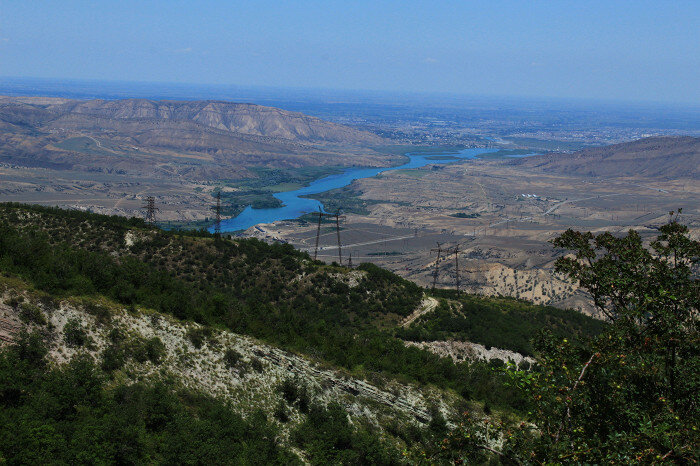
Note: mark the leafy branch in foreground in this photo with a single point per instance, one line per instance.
(629, 395)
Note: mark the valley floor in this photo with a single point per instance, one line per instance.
(502, 218)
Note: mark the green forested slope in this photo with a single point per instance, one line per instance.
(603, 394)
(272, 292)
(501, 322)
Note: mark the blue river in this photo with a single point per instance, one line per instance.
(295, 206)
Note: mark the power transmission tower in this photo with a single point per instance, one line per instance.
(435, 272)
(350, 261)
(151, 209)
(337, 230)
(338, 218)
(318, 231)
(217, 215)
(457, 268)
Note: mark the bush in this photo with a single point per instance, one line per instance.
(113, 358)
(296, 392)
(328, 438)
(437, 424)
(257, 365)
(280, 412)
(74, 334)
(232, 358)
(198, 336)
(101, 313)
(31, 314)
(155, 350)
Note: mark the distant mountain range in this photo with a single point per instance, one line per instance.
(141, 134)
(654, 157)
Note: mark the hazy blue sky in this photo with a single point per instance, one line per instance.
(630, 50)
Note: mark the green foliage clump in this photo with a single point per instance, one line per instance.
(629, 395)
(102, 313)
(151, 349)
(70, 415)
(232, 358)
(122, 348)
(199, 335)
(31, 314)
(257, 365)
(296, 392)
(74, 334)
(328, 438)
(281, 413)
(505, 323)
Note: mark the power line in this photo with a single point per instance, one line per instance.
(337, 229)
(457, 267)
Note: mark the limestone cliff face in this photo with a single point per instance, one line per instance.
(228, 116)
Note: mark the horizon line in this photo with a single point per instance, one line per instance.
(324, 90)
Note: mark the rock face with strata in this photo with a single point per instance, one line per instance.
(461, 351)
(248, 388)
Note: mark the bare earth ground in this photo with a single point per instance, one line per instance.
(106, 193)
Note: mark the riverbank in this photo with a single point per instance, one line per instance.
(297, 202)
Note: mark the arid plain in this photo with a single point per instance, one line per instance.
(502, 215)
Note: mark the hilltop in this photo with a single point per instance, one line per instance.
(654, 157)
(196, 139)
(240, 118)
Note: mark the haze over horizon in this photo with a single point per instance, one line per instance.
(629, 51)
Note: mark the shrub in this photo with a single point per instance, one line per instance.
(232, 358)
(74, 334)
(31, 314)
(143, 350)
(257, 365)
(437, 424)
(198, 336)
(280, 412)
(296, 392)
(113, 358)
(155, 350)
(101, 313)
